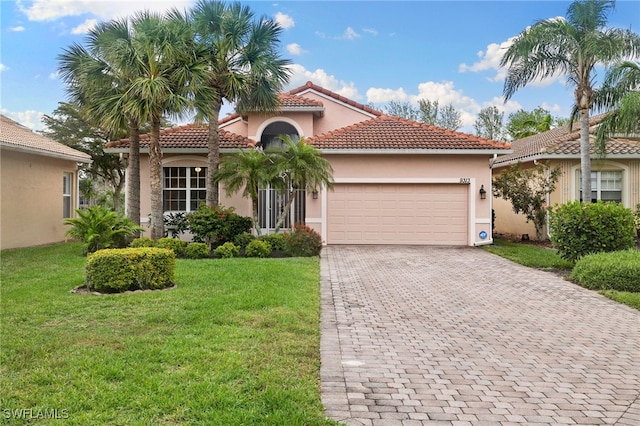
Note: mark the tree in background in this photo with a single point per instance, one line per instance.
(571, 47)
(521, 124)
(242, 55)
(620, 94)
(528, 189)
(489, 124)
(69, 126)
(427, 112)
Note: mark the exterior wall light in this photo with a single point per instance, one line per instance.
(314, 194)
(483, 193)
(198, 169)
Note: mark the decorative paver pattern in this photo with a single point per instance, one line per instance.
(439, 335)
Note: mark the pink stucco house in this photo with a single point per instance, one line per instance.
(38, 184)
(395, 181)
(614, 177)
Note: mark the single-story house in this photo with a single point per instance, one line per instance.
(39, 186)
(396, 181)
(614, 177)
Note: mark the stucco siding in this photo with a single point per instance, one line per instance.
(32, 199)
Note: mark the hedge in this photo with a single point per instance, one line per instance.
(119, 270)
(619, 270)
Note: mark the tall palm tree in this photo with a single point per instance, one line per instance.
(169, 77)
(98, 78)
(244, 64)
(302, 168)
(573, 47)
(247, 170)
(621, 94)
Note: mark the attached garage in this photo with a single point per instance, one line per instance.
(398, 213)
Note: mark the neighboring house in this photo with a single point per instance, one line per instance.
(39, 186)
(615, 177)
(395, 181)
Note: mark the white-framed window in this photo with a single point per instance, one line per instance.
(67, 191)
(271, 204)
(183, 188)
(606, 185)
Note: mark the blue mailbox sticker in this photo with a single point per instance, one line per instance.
(483, 235)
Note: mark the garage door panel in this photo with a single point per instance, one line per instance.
(398, 214)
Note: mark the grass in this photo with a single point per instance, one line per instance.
(236, 343)
(540, 257)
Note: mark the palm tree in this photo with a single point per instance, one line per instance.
(620, 93)
(573, 47)
(247, 170)
(169, 77)
(244, 64)
(302, 168)
(98, 78)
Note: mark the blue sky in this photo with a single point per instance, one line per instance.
(369, 51)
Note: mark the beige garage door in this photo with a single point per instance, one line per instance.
(397, 214)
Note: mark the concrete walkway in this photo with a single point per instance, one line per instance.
(434, 335)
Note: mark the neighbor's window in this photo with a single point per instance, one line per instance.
(605, 185)
(67, 178)
(183, 188)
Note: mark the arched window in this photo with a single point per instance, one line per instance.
(269, 137)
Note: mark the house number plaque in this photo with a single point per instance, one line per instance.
(465, 180)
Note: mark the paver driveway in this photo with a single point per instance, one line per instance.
(435, 335)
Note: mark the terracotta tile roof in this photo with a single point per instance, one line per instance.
(563, 141)
(291, 101)
(310, 85)
(190, 136)
(387, 132)
(14, 135)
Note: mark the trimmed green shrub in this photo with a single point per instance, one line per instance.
(196, 251)
(227, 250)
(175, 224)
(142, 242)
(118, 270)
(99, 228)
(243, 239)
(178, 246)
(303, 242)
(636, 220)
(578, 229)
(217, 225)
(619, 270)
(258, 248)
(277, 241)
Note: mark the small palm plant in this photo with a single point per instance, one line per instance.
(98, 228)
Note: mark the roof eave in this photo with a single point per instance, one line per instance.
(539, 157)
(415, 151)
(45, 153)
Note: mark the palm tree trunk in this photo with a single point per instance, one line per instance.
(256, 220)
(133, 175)
(155, 165)
(117, 190)
(213, 195)
(286, 210)
(585, 155)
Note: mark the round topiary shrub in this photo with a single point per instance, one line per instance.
(118, 270)
(258, 248)
(277, 241)
(578, 229)
(242, 240)
(142, 242)
(227, 250)
(619, 270)
(178, 246)
(303, 242)
(196, 251)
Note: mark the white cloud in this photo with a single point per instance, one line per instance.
(490, 60)
(50, 10)
(300, 75)
(285, 21)
(3, 67)
(370, 31)
(350, 34)
(295, 49)
(85, 27)
(31, 119)
(379, 95)
(17, 29)
(54, 75)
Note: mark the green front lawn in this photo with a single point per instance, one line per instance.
(236, 343)
(540, 257)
